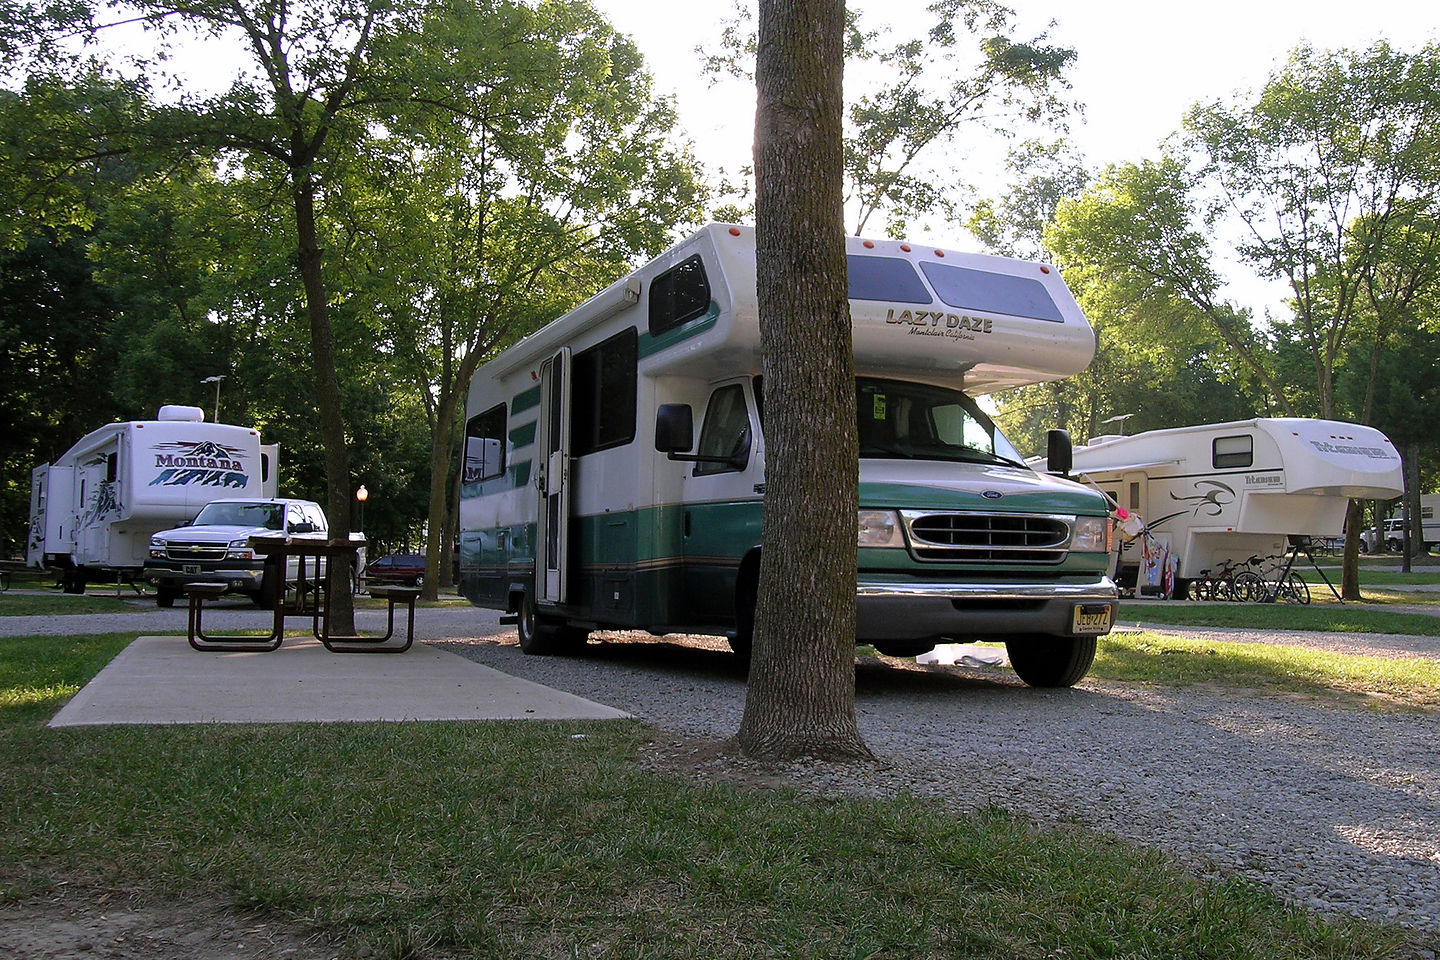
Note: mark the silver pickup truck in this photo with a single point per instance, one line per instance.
(215, 547)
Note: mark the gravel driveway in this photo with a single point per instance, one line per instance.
(1335, 806)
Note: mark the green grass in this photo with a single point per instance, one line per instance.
(1180, 661)
(473, 840)
(60, 604)
(1345, 618)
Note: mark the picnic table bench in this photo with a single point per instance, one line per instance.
(310, 601)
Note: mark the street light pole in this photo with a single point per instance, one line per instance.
(361, 496)
(216, 381)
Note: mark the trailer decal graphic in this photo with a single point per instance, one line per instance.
(1211, 501)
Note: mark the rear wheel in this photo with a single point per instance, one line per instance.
(1046, 661)
(544, 637)
(1248, 587)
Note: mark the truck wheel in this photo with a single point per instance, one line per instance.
(1045, 661)
(542, 637)
(269, 588)
(165, 596)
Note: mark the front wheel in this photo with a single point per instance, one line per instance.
(543, 637)
(1248, 587)
(1045, 661)
(165, 596)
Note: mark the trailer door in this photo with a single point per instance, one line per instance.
(553, 480)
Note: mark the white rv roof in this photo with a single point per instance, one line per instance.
(982, 322)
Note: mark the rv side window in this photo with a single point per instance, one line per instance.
(885, 278)
(112, 467)
(726, 432)
(1233, 451)
(981, 290)
(485, 445)
(679, 294)
(602, 398)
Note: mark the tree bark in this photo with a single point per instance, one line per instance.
(801, 697)
(339, 599)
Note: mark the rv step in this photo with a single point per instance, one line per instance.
(510, 619)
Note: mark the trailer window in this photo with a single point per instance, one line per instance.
(602, 397)
(987, 292)
(1233, 451)
(485, 445)
(679, 294)
(726, 432)
(885, 278)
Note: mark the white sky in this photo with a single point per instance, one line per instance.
(1141, 62)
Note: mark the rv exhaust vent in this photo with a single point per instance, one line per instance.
(993, 537)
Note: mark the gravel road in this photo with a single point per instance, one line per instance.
(1335, 806)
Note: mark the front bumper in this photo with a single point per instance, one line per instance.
(909, 610)
(239, 576)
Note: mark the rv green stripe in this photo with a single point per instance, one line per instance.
(650, 345)
(525, 401)
(523, 435)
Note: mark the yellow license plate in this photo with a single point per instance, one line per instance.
(1091, 618)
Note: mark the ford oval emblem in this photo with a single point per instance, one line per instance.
(992, 494)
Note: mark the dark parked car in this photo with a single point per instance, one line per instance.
(406, 568)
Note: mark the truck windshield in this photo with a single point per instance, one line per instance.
(267, 515)
(916, 421)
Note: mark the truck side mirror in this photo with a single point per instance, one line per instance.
(674, 428)
(1059, 453)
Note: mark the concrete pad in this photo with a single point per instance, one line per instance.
(162, 680)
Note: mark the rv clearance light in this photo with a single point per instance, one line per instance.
(880, 528)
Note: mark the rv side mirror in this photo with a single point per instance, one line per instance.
(674, 428)
(1059, 454)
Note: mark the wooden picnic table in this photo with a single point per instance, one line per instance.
(310, 599)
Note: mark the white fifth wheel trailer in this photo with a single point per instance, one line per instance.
(93, 510)
(587, 503)
(1222, 492)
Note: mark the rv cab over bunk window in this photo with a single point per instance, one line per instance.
(679, 294)
(885, 278)
(987, 292)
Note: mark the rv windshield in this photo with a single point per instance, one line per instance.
(916, 421)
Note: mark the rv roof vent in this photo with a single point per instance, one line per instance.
(174, 411)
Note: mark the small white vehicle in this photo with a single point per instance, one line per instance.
(588, 503)
(93, 510)
(215, 547)
(1393, 539)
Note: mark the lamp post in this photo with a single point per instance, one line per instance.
(361, 496)
(216, 381)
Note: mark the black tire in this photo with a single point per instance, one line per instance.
(902, 649)
(1299, 589)
(165, 596)
(1195, 590)
(543, 637)
(269, 588)
(418, 582)
(742, 638)
(1045, 661)
(73, 581)
(1248, 587)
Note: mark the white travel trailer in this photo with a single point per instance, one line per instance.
(93, 510)
(583, 506)
(1223, 492)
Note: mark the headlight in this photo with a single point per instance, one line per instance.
(1091, 535)
(880, 528)
(240, 549)
(157, 547)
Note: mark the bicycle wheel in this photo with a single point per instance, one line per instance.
(1195, 589)
(1248, 586)
(1299, 589)
(1224, 589)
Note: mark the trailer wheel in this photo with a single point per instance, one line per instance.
(165, 596)
(543, 637)
(73, 580)
(1046, 661)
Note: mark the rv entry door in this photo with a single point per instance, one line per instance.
(553, 480)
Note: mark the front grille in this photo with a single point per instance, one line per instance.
(195, 551)
(994, 537)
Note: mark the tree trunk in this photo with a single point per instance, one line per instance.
(1350, 558)
(327, 398)
(801, 697)
(1414, 522)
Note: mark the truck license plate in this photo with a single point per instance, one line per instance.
(190, 569)
(1091, 618)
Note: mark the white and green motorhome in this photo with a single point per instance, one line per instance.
(587, 504)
